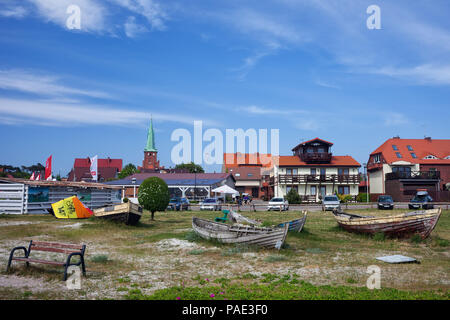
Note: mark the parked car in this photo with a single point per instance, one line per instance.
(211, 204)
(277, 204)
(178, 204)
(385, 202)
(421, 200)
(331, 203)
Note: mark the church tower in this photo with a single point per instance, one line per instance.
(150, 153)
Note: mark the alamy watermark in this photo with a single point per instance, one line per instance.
(73, 281)
(74, 20)
(213, 151)
(374, 20)
(374, 280)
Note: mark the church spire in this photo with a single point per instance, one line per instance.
(150, 138)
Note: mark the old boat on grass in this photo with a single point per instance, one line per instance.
(240, 234)
(397, 226)
(239, 218)
(128, 213)
(295, 225)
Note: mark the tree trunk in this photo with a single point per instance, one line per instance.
(153, 215)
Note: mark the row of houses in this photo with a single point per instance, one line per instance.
(399, 167)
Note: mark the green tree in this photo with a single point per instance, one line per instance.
(128, 170)
(191, 167)
(293, 197)
(154, 195)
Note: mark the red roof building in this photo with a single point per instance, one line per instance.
(107, 169)
(400, 167)
(314, 172)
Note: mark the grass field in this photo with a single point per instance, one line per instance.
(164, 259)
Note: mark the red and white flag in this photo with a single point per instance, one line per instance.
(94, 168)
(48, 169)
(33, 177)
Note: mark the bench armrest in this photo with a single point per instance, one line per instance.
(18, 248)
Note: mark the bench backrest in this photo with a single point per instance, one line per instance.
(56, 247)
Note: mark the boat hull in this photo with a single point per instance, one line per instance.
(295, 225)
(399, 226)
(128, 213)
(240, 234)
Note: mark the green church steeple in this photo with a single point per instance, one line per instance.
(150, 138)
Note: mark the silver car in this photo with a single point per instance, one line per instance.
(278, 204)
(211, 204)
(330, 203)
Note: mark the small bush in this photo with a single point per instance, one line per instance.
(196, 251)
(125, 200)
(293, 197)
(192, 236)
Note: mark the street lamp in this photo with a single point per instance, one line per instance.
(366, 178)
(195, 184)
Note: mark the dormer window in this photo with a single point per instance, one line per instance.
(376, 158)
(399, 155)
(409, 148)
(394, 147)
(430, 157)
(447, 157)
(413, 155)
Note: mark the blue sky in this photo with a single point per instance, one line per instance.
(309, 68)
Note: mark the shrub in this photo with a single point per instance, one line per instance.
(362, 197)
(379, 236)
(293, 197)
(154, 195)
(344, 197)
(125, 200)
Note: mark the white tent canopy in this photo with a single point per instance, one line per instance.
(225, 190)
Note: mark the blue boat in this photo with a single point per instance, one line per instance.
(295, 225)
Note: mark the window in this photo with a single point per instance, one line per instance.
(323, 171)
(429, 157)
(394, 147)
(399, 155)
(410, 148)
(321, 150)
(313, 190)
(237, 174)
(313, 171)
(344, 190)
(294, 171)
(288, 171)
(343, 171)
(249, 174)
(413, 155)
(323, 191)
(289, 189)
(376, 158)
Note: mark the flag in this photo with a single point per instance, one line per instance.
(48, 168)
(32, 176)
(94, 171)
(39, 176)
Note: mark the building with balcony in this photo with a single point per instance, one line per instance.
(313, 171)
(400, 167)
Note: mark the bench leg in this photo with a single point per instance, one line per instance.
(11, 255)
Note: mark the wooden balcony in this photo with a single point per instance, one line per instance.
(428, 175)
(316, 157)
(328, 178)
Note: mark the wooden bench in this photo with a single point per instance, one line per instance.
(70, 250)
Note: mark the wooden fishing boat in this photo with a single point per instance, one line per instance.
(240, 234)
(398, 226)
(128, 213)
(295, 225)
(239, 218)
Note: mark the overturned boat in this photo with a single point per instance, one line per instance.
(295, 225)
(398, 226)
(128, 213)
(240, 234)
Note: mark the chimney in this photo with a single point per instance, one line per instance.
(428, 139)
(397, 137)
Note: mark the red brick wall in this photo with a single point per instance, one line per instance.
(444, 169)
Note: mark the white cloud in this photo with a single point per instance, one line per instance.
(42, 84)
(274, 111)
(13, 12)
(149, 9)
(422, 74)
(132, 29)
(45, 113)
